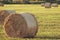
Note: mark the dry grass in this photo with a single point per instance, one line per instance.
(48, 21)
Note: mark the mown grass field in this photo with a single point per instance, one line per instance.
(48, 21)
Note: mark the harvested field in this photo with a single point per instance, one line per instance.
(48, 21)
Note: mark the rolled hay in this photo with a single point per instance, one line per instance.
(47, 5)
(21, 25)
(4, 14)
(1, 4)
(42, 4)
(54, 5)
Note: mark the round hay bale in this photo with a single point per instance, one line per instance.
(4, 14)
(1, 4)
(20, 25)
(54, 5)
(47, 5)
(42, 4)
(11, 11)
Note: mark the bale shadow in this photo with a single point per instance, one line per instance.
(44, 37)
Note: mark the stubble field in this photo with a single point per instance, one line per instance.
(48, 21)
